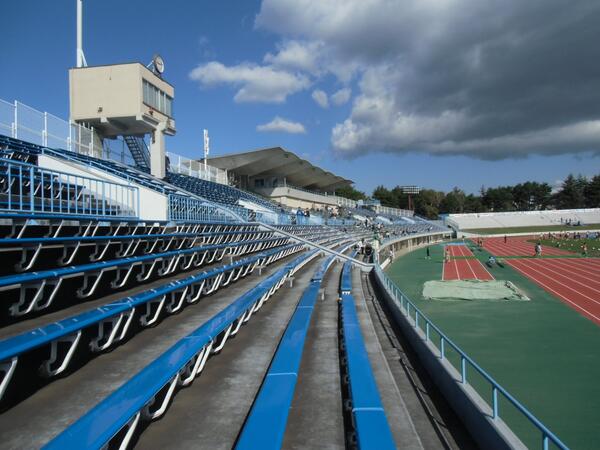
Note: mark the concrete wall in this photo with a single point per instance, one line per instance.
(111, 99)
(153, 205)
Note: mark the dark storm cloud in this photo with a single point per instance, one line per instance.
(490, 79)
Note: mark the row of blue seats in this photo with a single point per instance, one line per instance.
(147, 395)
(216, 192)
(36, 291)
(53, 225)
(113, 320)
(36, 251)
(266, 424)
(368, 416)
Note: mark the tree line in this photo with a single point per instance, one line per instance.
(574, 192)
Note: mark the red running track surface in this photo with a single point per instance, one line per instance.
(518, 246)
(460, 250)
(576, 281)
(465, 269)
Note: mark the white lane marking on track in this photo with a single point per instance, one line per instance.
(548, 288)
(568, 288)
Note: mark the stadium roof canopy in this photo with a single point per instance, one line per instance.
(277, 161)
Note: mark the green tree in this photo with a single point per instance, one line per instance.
(453, 202)
(427, 203)
(385, 196)
(499, 199)
(592, 193)
(571, 194)
(350, 192)
(473, 204)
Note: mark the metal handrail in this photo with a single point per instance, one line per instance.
(405, 308)
(106, 192)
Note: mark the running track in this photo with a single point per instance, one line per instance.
(465, 269)
(459, 250)
(576, 281)
(518, 246)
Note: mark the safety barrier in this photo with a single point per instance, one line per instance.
(27, 188)
(189, 209)
(443, 343)
(146, 396)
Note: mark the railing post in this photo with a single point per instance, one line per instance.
(91, 144)
(463, 368)
(442, 347)
(45, 130)
(545, 441)
(104, 199)
(16, 122)
(494, 402)
(31, 189)
(70, 138)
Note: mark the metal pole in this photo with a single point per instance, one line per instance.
(81, 62)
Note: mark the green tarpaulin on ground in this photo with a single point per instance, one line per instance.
(472, 290)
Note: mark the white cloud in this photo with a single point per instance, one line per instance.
(255, 83)
(279, 124)
(320, 97)
(342, 96)
(296, 55)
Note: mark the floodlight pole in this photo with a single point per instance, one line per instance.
(81, 62)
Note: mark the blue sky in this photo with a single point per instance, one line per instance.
(38, 47)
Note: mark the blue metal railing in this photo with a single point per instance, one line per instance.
(420, 320)
(189, 209)
(27, 188)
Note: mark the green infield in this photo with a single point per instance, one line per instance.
(538, 229)
(542, 351)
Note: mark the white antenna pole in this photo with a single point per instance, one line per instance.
(206, 149)
(81, 62)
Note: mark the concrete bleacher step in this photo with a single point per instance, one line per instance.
(230, 383)
(42, 416)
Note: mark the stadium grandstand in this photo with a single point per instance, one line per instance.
(155, 301)
(520, 219)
